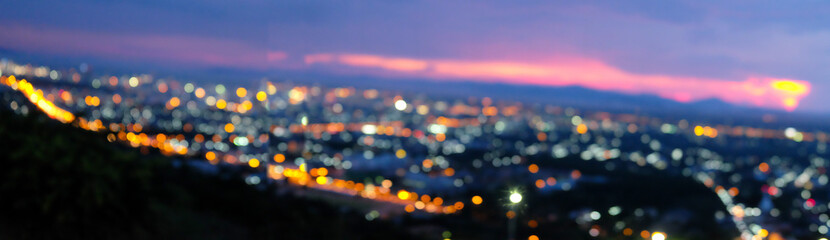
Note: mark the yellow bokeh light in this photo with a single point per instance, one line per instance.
(221, 104)
(241, 92)
(403, 195)
(253, 162)
(322, 180)
(45, 104)
(763, 233)
(261, 96)
(229, 127)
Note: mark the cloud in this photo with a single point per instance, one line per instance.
(178, 49)
(275, 56)
(761, 91)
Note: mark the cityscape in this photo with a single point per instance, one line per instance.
(408, 154)
(334, 121)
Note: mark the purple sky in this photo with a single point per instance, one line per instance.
(646, 44)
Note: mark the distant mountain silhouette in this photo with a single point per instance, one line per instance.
(713, 110)
(707, 110)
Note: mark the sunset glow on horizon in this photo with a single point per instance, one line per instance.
(767, 92)
(755, 90)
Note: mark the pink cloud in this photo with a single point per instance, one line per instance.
(274, 56)
(759, 91)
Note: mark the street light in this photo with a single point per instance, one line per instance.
(515, 197)
(658, 236)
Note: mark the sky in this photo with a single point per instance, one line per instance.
(769, 54)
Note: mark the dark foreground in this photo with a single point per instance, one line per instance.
(60, 182)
